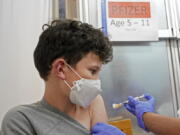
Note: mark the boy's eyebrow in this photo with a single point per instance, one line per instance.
(97, 67)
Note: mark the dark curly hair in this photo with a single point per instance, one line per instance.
(71, 40)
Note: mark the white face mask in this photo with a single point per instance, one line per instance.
(84, 91)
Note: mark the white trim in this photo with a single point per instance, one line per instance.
(166, 33)
(50, 2)
(177, 4)
(80, 9)
(99, 14)
(176, 70)
(168, 7)
(173, 17)
(86, 11)
(172, 80)
(179, 47)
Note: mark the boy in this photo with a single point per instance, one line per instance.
(68, 57)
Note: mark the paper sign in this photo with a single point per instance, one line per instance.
(129, 20)
(129, 10)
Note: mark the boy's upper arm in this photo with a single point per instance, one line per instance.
(98, 111)
(15, 123)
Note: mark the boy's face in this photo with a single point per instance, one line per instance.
(88, 67)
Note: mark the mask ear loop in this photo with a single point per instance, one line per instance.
(67, 84)
(74, 71)
(65, 80)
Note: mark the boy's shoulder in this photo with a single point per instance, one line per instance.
(16, 120)
(21, 109)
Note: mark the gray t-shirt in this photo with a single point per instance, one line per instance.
(40, 119)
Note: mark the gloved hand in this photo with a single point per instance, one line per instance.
(105, 129)
(138, 108)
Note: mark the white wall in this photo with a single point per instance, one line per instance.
(20, 26)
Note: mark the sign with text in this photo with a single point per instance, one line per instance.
(129, 20)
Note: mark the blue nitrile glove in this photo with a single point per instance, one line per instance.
(105, 129)
(138, 108)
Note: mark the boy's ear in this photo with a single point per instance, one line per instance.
(58, 68)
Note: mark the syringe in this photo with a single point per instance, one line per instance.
(119, 105)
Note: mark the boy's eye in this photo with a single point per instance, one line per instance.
(93, 71)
